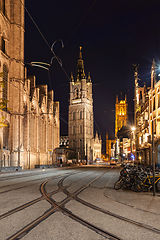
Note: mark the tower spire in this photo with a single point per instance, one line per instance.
(80, 53)
(80, 67)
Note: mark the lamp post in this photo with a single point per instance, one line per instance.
(153, 158)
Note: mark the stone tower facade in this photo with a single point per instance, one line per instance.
(31, 115)
(121, 115)
(80, 126)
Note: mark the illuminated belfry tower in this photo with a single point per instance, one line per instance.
(80, 118)
(120, 114)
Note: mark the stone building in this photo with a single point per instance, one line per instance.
(154, 109)
(31, 115)
(81, 119)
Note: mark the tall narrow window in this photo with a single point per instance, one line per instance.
(158, 99)
(80, 114)
(80, 128)
(3, 45)
(153, 103)
(74, 115)
(150, 106)
(5, 85)
(3, 6)
(80, 144)
(73, 144)
(73, 129)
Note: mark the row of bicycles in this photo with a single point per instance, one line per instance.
(138, 179)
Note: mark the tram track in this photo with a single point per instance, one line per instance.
(40, 198)
(74, 196)
(55, 206)
(29, 203)
(60, 206)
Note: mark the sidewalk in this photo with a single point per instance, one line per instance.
(25, 171)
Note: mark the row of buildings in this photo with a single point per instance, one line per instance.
(147, 117)
(135, 142)
(31, 135)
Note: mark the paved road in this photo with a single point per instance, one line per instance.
(75, 203)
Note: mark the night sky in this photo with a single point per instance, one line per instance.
(113, 36)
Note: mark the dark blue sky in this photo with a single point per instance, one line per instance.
(113, 36)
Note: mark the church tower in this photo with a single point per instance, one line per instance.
(120, 114)
(80, 119)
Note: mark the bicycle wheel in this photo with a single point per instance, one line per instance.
(136, 187)
(118, 184)
(158, 186)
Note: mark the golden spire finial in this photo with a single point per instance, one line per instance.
(80, 53)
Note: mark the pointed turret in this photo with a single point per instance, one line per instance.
(89, 77)
(153, 74)
(71, 78)
(116, 98)
(80, 67)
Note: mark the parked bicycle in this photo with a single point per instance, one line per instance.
(137, 179)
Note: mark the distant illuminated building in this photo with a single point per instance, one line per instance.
(120, 114)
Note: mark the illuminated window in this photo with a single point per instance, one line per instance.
(76, 93)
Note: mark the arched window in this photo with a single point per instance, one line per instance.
(5, 85)
(76, 93)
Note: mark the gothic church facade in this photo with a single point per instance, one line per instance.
(31, 115)
(80, 119)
